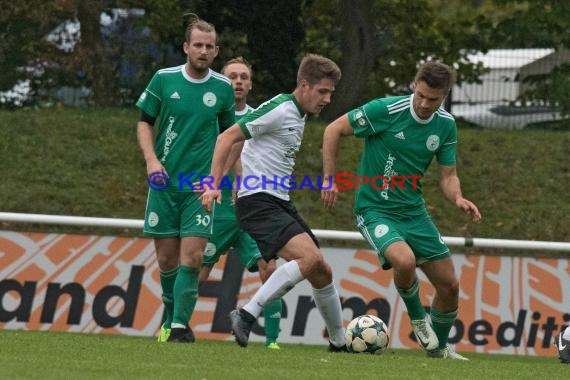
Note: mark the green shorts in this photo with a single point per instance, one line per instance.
(176, 214)
(419, 232)
(227, 234)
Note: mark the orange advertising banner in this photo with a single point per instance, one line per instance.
(111, 285)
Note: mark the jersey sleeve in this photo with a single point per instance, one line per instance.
(226, 118)
(262, 120)
(150, 100)
(369, 119)
(447, 153)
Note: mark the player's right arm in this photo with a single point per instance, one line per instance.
(145, 138)
(224, 144)
(331, 137)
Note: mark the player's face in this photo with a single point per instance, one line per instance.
(316, 97)
(200, 51)
(241, 79)
(427, 100)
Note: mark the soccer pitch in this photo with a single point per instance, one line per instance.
(49, 355)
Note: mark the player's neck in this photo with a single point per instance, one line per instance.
(195, 74)
(240, 105)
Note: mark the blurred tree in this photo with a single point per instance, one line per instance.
(380, 42)
(23, 47)
(539, 24)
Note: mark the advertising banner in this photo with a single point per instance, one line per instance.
(111, 285)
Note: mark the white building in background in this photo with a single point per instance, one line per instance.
(493, 102)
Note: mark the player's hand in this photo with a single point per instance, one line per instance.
(469, 208)
(208, 197)
(329, 192)
(154, 166)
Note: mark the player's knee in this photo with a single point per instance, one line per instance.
(404, 263)
(449, 290)
(167, 263)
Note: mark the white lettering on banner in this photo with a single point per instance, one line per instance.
(517, 307)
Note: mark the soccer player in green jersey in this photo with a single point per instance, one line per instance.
(273, 134)
(402, 135)
(193, 103)
(227, 233)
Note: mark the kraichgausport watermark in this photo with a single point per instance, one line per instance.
(342, 180)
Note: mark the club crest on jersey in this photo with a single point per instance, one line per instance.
(381, 230)
(210, 249)
(432, 143)
(152, 219)
(209, 99)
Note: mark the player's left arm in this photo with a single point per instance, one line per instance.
(451, 187)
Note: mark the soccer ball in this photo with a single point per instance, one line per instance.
(367, 333)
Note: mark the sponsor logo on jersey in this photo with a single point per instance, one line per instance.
(170, 136)
(388, 173)
(209, 99)
(400, 135)
(432, 143)
(143, 96)
(175, 95)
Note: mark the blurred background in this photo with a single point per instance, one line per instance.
(511, 56)
(71, 71)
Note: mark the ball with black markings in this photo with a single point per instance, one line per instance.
(367, 333)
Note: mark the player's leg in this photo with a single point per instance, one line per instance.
(196, 228)
(251, 258)
(272, 223)
(384, 235)
(434, 258)
(272, 309)
(161, 217)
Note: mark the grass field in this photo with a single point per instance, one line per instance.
(48, 355)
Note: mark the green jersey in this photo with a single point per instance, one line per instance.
(226, 210)
(192, 112)
(398, 148)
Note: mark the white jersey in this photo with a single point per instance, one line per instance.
(274, 132)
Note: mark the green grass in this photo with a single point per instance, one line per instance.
(49, 355)
(86, 162)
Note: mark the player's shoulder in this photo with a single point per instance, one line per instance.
(445, 119)
(392, 104)
(279, 103)
(168, 71)
(215, 76)
(444, 115)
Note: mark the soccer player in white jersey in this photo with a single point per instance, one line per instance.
(227, 232)
(193, 103)
(273, 134)
(402, 135)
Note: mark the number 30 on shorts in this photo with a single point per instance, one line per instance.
(203, 220)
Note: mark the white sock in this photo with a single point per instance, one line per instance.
(328, 303)
(566, 334)
(277, 285)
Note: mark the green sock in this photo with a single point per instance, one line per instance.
(167, 280)
(411, 298)
(272, 315)
(185, 294)
(442, 324)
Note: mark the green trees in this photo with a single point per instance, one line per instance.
(377, 43)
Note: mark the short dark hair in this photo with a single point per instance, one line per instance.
(241, 60)
(436, 75)
(314, 68)
(196, 22)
